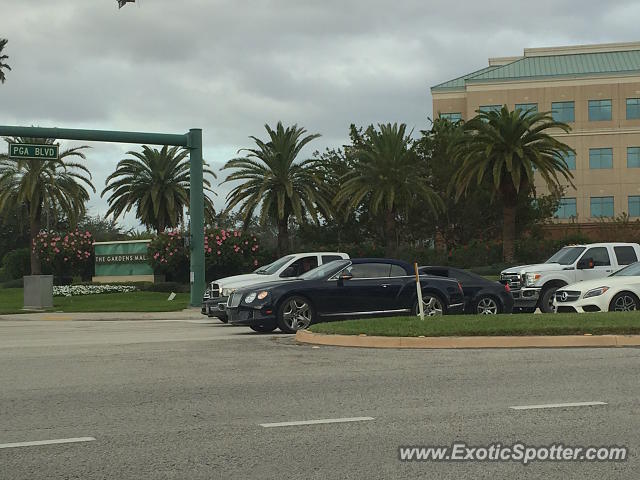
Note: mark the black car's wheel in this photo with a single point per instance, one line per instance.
(263, 328)
(546, 300)
(432, 305)
(295, 313)
(486, 305)
(624, 302)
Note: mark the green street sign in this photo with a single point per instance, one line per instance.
(28, 151)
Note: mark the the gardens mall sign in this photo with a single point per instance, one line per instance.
(119, 259)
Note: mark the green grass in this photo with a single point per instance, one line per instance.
(475, 325)
(11, 302)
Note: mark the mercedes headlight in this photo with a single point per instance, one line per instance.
(595, 292)
(531, 278)
(227, 291)
(207, 293)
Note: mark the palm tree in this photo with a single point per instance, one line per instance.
(391, 176)
(157, 183)
(35, 186)
(272, 180)
(508, 146)
(3, 58)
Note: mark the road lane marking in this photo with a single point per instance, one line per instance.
(47, 442)
(317, 422)
(557, 405)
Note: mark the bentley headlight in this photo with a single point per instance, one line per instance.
(531, 278)
(595, 292)
(227, 291)
(250, 298)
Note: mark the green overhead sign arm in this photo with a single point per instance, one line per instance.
(191, 140)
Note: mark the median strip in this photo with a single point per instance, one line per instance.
(47, 442)
(316, 422)
(557, 405)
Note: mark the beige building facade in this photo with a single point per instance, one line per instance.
(596, 90)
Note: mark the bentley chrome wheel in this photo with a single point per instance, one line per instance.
(297, 314)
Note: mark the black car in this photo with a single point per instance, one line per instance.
(481, 296)
(341, 289)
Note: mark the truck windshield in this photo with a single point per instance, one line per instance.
(275, 266)
(566, 255)
(632, 270)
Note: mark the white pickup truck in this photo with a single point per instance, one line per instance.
(533, 286)
(217, 293)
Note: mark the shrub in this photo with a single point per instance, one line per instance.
(64, 254)
(17, 283)
(17, 263)
(227, 252)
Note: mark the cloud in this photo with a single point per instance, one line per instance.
(229, 67)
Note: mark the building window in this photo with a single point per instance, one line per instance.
(490, 108)
(599, 110)
(567, 208)
(570, 159)
(633, 157)
(527, 106)
(601, 207)
(452, 117)
(634, 206)
(600, 158)
(563, 111)
(633, 108)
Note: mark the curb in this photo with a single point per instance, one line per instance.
(364, 341)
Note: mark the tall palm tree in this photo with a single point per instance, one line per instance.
(155, 182)
(35, 186)
(274, 182)
(3, 58)
(508, 146)
(391, 176)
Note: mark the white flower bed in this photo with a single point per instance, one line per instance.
(75, 290)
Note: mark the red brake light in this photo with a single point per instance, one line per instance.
(507, 287)
(460, 287)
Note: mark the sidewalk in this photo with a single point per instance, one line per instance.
(187, 314)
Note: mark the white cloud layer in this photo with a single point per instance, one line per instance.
(229, 67)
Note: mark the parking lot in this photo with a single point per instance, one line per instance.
(199, 399)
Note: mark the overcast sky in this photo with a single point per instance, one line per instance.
(229, 67)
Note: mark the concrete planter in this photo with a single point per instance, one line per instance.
(38, 291)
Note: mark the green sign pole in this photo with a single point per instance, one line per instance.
(191, 140)
(196, 211)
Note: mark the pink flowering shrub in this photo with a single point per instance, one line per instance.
(64, 253)
(227, 252)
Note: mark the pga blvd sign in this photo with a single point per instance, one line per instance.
(28, 151)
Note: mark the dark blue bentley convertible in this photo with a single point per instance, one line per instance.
(360, 287)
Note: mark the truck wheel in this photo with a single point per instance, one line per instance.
(546, 300)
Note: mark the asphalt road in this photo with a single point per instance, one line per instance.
(186, 400)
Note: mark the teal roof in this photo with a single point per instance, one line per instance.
(458, 83)
(581, 64)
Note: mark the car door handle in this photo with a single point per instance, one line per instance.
(385, 285)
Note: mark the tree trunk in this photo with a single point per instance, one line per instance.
(34, 229)
(390, 234)
(508, 230)
(283, 236)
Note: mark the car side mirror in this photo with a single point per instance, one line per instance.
(585, 264)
